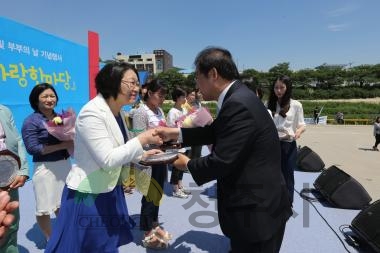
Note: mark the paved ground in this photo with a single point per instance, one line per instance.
(350, 149)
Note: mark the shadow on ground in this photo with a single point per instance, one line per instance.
(35, 235)
(368, 149)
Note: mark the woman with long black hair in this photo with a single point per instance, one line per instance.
(289, 120)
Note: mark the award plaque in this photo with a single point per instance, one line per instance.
(9, 166)
(162, 158)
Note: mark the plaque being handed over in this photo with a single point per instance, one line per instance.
(9, 166)
(161, 158)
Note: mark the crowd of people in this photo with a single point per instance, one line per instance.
(252, 157)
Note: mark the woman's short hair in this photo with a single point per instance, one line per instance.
(108, 80)
(35, 93)
(155, 85)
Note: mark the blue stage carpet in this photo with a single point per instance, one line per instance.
(194, 225)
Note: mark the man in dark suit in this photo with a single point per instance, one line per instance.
(245, 160)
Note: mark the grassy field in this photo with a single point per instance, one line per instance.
(356, 111)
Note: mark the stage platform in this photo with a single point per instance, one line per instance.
(194, 225)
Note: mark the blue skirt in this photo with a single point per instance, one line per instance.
(91, 222)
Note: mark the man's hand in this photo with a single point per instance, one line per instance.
(149, 137)
(181, 162)
(167, 133)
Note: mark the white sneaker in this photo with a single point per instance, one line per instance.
(180, 194)
(186, 191)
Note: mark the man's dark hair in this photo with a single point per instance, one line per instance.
(218, 58)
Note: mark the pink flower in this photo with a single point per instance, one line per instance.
(62, 126)
(195, 118)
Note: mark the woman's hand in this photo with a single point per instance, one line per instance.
(68, 144)
(53, 148)
(167, 133)
(18, 182)
(148, 137)
(151, 152)
(298, 132)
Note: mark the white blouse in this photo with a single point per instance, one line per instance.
(287, 127)
(155, 119)
(173, 115)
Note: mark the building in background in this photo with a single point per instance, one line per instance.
(159, 61)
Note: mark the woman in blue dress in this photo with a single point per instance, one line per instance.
(94, 215)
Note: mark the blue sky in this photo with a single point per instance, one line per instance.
(259, 34)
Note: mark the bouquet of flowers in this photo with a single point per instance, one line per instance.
(62, 126)
(195, 118)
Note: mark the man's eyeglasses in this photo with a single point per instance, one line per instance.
(131, 83)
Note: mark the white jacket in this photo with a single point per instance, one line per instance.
(99, 149)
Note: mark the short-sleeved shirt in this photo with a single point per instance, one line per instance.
(294, 119)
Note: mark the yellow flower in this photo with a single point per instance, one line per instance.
(57, 120)
(187, 122)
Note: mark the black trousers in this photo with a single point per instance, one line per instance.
(195, 152)
(176, 175)
(288, 163)
(150, 203)
(273, 245)
(377, 138)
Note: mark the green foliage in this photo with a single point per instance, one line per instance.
(336, 92)
(351, 110)
(172, 78)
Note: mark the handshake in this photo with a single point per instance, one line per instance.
(164, 139)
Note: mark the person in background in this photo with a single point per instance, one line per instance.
(376, 133)
(129, 184)
(196, 151)
(11, 140)
(94, 215)
(339, 117)
(179, 98)
(289, 120)
(150, 116)
(316, 115)
(258, 90)
(193, 101)
(50, 155)
(139, 101)
(245, 160)
(190, 100)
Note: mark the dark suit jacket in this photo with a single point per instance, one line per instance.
(246, 162)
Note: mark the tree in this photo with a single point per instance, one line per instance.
(304, 77)
(329, 75)
(279, 70)
(172, 78)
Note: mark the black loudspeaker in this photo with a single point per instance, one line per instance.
(366, 225)
(341, 190)
(309, 161)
